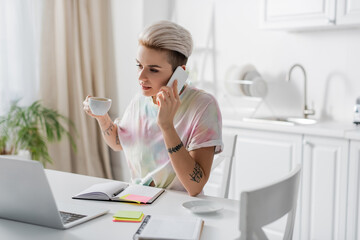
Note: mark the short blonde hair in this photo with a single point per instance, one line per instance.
(171, 37)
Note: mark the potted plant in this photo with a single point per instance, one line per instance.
(31, 128)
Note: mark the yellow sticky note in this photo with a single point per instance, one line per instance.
(128, 214)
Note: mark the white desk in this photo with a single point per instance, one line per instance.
(221, 225)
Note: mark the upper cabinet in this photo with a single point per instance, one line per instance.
(348, 12)
(309, 14)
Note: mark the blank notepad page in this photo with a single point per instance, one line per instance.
(172, 228)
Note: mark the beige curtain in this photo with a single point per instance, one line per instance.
(77, 59)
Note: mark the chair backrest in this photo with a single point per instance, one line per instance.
(219, 181)
(261, 206)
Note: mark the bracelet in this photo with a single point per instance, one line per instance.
(176, 148)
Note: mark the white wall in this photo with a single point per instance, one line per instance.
(156, 10)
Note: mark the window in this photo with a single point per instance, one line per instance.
(20, 22)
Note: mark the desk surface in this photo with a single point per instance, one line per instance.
(220, 225)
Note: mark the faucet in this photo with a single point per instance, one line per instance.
(306, 110)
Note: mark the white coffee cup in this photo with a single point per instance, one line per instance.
(99, 106)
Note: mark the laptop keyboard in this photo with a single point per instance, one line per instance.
(70, 217)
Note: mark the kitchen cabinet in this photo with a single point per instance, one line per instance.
(348, 12)
(309, 14)
(260, 158)
(264, 156)
(324, 188)
(353, 209)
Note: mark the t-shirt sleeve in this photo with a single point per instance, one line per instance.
(207, 127)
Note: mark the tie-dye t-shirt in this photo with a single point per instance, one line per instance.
(197, 122)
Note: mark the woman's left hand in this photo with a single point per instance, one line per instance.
(169, 101)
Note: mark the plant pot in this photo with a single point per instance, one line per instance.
(24, 154)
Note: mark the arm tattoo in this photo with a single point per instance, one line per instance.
(176, 148)
(108, 130)
(117, 140)
(197, 173)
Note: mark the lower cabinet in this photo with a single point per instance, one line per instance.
(262, 157)
(322, 207)
(353, 208)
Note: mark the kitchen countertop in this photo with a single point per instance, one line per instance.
(324, 129)
(353, 134)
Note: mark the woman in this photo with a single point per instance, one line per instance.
(169, 139)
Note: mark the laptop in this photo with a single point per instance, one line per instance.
(26, 196)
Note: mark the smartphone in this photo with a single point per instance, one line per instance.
(180, 75)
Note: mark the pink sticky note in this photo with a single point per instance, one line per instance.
(137, 198)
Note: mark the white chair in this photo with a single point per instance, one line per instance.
(264, 205)
(219, 181)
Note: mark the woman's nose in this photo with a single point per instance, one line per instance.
(142, 75)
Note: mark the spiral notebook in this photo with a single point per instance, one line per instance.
(169, 227)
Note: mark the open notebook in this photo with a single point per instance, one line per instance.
(121, 192)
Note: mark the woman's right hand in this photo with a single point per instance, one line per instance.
(87, 109)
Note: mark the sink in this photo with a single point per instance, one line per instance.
(301, 121)
(287, 121)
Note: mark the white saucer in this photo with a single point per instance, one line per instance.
(202, 206)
